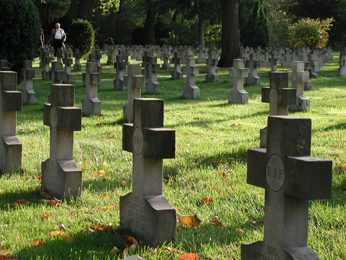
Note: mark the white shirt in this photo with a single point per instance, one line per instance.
(58, 34)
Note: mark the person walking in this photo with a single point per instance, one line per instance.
(58, 38)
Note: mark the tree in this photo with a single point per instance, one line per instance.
(19, 31)
(230, 39)
(82, 36)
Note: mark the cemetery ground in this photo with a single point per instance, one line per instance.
(207, 178)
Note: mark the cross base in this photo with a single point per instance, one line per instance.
(12, 154)
(212, 77)
(29, 97)
(152, 87)
(237, 96)
(61, 179)
(77, 66)
(118, 84)
(91, 106)
(191, 92)
(253, 80)
(260, 251)
(177, 73)
(307, 85)
(150, 219)
(303, 104)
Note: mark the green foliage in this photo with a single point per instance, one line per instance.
(52, 9)
(82, 36)
(213, 35)
(312, 33)
(180, 34)
(19, 31)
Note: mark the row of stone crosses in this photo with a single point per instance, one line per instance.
(282, 166)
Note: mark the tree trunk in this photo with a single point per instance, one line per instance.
(230, 41)
(149, 24)
(201, 31)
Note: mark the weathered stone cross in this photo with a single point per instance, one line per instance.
(145, 212)
(61, 177)
(299, 77)
(238, 94)
(290, 178)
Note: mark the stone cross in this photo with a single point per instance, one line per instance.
(91, 103)
(252, 64)
(212, 66)
(120, 66)
(342, 69)
(110, 51)
(165, 57)
(96, 56)
(29, 95)
(299, 77)
(46, 59)
(10, 103)
(57, 73)
(290, 178)
(279, 96)
(132, 70)
(61, 177)
(133, 91)
(238, 94)
(68, 60)
(152, 85)
(273, 60)
(4, 65)
(191, 91)
(201, 55)
(77, 66)
(176, 73)
(145, 212)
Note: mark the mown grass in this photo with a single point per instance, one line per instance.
(212, 138)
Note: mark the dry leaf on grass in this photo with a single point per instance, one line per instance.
(216, 220)
(36, 242)
(89, 229)
(188, 256)
(132, 244)
(343, 165)
(110, 207)
(56, 233)
(172, 250)
(189, 221)
(106, 196)
(207, 200)
(2, 191)
(240, 231)
(46, 215)
(39, 177)
(21, 202)
(105, 164)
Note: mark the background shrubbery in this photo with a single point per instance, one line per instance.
(81, 36)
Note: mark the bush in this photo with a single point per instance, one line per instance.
(312, 33)
(81, 36)
(213, 35)
(19, 31)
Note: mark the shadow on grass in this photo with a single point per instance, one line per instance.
(340, 126)
(104, 185)
(9, 199)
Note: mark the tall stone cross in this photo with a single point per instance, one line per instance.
(132, 70)
(176, 73)
(120, 66)
(279, 96)
(191, 90)
(61, 177)
(57, 72)
(152, 85)
(299, 77)
(68, 60)
(91, 103)
(252, 63)
(77, 66)
(46, 59)
(10, 103)
(145, 212)
(238, 94)
(290, 178)
(29, 95)
(212, 66)
(133, 91)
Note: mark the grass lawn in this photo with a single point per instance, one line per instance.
(212, 138)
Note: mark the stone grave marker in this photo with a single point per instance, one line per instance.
(342, 68)
(191, 91)
(91, 103)
(165, 57)
(10, 103)
(145, 212)
(77, 66)
(252, 64)
(120, 66)
(299, 77)
(176, 73)
(68, 60)
(238, 94)
(290, 177)
(212, 66)
(279, 96)
(152, 86)
(4, 66)
(57, 72)
(46, 59)
(61, 177)
(132, 70)
(133, 91)
(29, 95)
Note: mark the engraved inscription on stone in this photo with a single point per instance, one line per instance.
(275, 173)
(138, 141)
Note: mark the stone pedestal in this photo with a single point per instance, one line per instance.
(290, 178)
(91, 103)
(299, 77)
(238, 94)
(61, 177)
(145, 213)
(191, 91)
(29, 95)
(10, 103)
(279, 96)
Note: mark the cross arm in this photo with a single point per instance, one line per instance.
(69, 118)
(12, 100)
(256, 161)
(128, 137)
(308, 178)
(286, 96)
(159, 143)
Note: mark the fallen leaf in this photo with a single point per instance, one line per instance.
(240, 231)
(62, 226)
(343, 165)
(189, 221)
(67, 238)
(106, 196)
(53, 202)
(21, 202)
(330, 232)
(47, 196)
(222, 173)
(89, 229)
(56, 233)
(4, 252)
(99, 228)
(46, 215)
(123, 183)
(2, 191)
(171, 250)
(105, 164)
(36, 242)
(132, 244)
(39, 177)
(188, 256)
(110, 207)
(102, 173)
(216, 220)
(207, 200)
